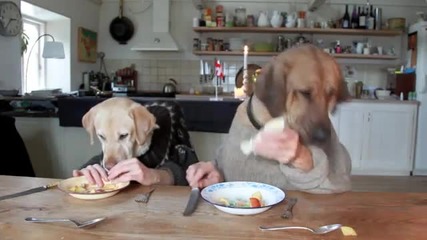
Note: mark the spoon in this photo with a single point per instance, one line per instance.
(77, 223)
(321, 230)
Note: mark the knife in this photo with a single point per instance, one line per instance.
(30, 191)
(192, 201)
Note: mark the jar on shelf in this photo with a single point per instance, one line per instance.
(250, 21)
(229, 20)
(240, 14)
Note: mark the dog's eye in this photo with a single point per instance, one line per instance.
(123, 136)
(305, 93)
(101, 136)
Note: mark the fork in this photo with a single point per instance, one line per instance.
(288, 210)
(144, 197)
(78, 224)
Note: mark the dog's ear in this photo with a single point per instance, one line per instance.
(144, 122)
(87, 122)
(270, 87)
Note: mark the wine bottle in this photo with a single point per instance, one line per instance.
(354, 18)
(371, 18)
(346, 18)
(362, 19)
(366, 13)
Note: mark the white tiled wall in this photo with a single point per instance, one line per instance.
(153, 74)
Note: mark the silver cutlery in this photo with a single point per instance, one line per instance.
(78, 224)
(30, 191)
(321, 230)
(143, 198)
(192, 201)
(289, 206)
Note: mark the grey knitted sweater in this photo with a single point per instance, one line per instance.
(331, 172)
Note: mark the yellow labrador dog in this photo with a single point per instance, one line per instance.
(124, 128)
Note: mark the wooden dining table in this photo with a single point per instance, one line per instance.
(373, 215)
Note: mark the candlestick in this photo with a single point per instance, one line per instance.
(245, 64)
(245, 70)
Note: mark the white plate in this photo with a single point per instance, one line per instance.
(66, 184)
(242, 190)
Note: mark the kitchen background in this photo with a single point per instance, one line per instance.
(154, 68)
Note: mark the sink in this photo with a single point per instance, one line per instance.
(205, 97)
(135, 94)
(150, 94)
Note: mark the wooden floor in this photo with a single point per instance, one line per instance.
(389, 183)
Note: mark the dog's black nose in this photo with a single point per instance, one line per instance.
(321, 134)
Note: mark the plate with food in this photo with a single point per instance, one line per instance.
(242, 198)
(79, 187)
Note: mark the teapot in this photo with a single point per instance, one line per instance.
(170, 87)
(291, 20)
(262, 19)
(276, 19)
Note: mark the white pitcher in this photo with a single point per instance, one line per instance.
(276, 19)
(262, 19)
(291, 20)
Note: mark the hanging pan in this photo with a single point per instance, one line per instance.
(121, 28)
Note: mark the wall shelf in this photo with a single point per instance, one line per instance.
(266, 54)
(298, 30)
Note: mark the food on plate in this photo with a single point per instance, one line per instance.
(252, 202)
(348, 231)
(89, 188)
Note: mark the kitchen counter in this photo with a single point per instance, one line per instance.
(200, 115)
(391, 101)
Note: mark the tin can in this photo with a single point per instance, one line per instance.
(220, 21)
(196, 44)
(280, 47)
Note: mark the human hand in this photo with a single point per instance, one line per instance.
(133, 170)
(282, 146)
(203, 174)
(95, 174)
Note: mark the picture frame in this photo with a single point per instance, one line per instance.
(87, 45)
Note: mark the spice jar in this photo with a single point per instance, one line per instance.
(250, 21)
(240, 14)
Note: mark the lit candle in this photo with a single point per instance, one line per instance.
(245, 64)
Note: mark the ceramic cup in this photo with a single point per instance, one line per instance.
(366, 51)
(301, 23)
(359, 48)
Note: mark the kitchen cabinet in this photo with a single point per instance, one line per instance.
(283, 30)
(350, 125)
(379, 137)
(36, 134)
(54, 151)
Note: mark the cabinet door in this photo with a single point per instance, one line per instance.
(350, 130)
(388, 146)
(35, 133)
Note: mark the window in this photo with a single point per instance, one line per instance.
(34, 70)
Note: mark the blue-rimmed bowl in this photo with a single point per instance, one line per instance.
(242, 190)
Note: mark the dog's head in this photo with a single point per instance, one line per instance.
(123, 127)
(304, 84)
